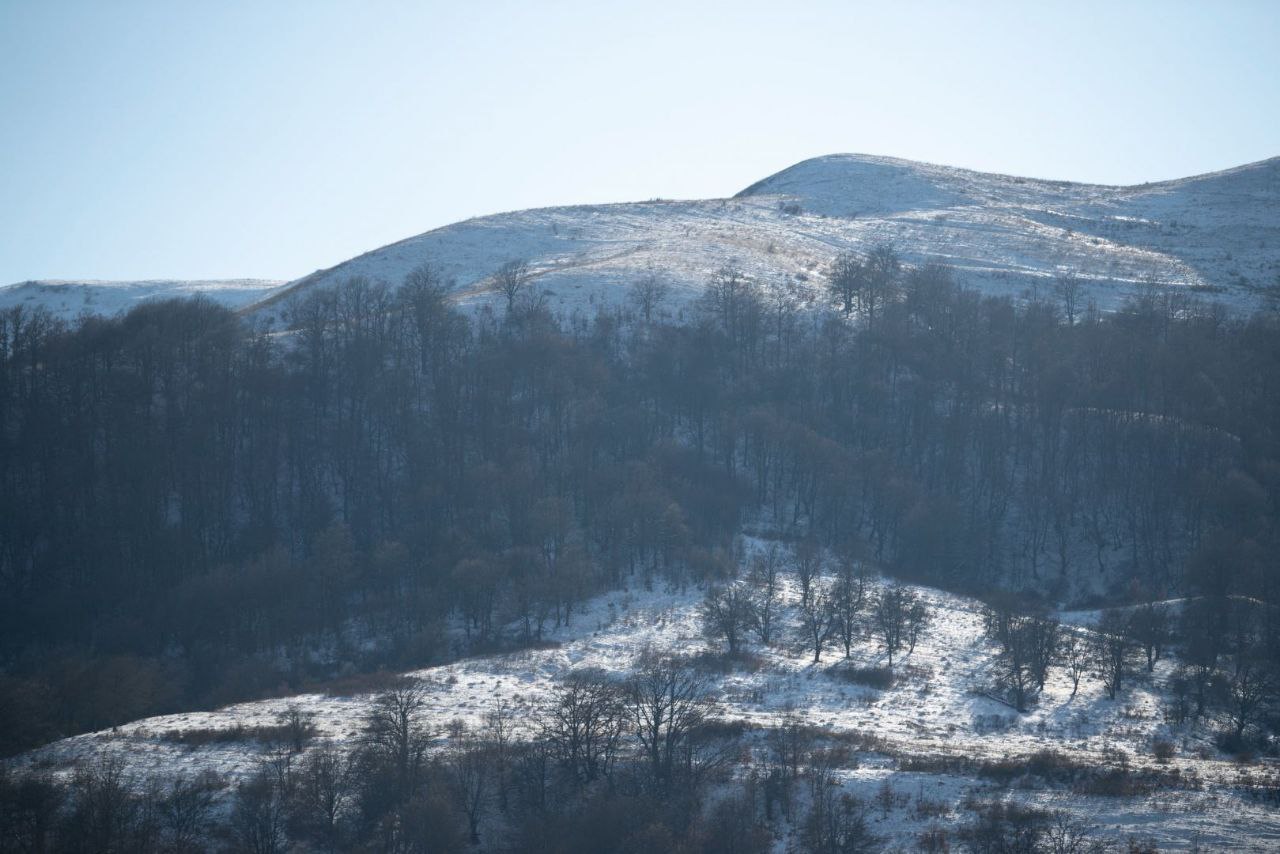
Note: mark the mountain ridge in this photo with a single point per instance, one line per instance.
(1002, 233)
(1216, 234)
(1270, 162)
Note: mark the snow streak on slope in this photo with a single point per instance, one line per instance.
(933, 711)
(1218, 235)
(69, 299)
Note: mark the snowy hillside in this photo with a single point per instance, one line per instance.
(924, 738)
(1217, 235)
(69, 299)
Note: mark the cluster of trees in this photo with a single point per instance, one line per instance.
(1229, 653)
(1229, 668)
(1007, 827)
(1028, 645)
(840, 609)
(865, 284)
(209, 510)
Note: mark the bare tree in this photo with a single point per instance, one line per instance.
(1069, 290)
(423, 280)
(1113, 649)
(297, 724)
(849, 598)
(881, 274)
(789, 743)
(258, 816)
(1016, 674)
(647, 294)
(845, 280)
(513, 280)
(1028, 646)
(918, 619)
(767, 586)
(817, 620)
(727, 614)
(733, 303)
(806, 557)
(395, 735)
(1074, 655)
(838, 824)
(499, 732)
(323, 793)
(667, 704)
(104, 808)
(187, 808)
(584, 724)
(470, 769)
(1149, 626)
(1046, 634)
(892, 616)
(1251, 690)
(1067, 835)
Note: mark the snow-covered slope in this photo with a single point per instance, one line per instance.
(1217, 234)
(932, 718)
(69, 299)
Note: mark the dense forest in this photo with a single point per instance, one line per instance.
(195, 509)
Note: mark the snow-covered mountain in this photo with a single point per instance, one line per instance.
(70, 299)
(1216, 234)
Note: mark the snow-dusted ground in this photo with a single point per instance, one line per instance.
(70, 299)
(1217, 235)
(932, 712)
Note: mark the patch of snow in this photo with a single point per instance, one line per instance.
(69, 299)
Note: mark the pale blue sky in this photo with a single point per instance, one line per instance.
(192, 139)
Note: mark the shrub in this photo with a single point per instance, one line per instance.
(1006, 827)
(724, 728)
(1049, 765)
(203, 736)
(1114, 783)
(926, 808)
(993, 723)
(363, 683)
(954, 765)
(1162, 749)
(879, 678)
(1240, 747)
(726, 662)
(933, 840)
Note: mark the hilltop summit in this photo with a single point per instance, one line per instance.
(1217, 235)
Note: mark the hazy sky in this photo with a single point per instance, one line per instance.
(193, 138)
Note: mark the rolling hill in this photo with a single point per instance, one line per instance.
(1215, 235)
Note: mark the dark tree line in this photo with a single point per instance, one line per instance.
(187, 501)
